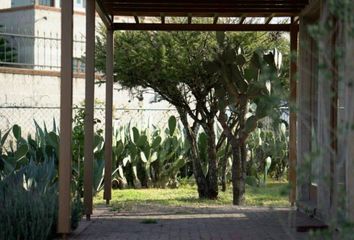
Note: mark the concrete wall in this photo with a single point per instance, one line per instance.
(29, 94)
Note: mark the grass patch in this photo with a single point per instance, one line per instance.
(274, 194)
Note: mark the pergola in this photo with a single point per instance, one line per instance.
(161, 10)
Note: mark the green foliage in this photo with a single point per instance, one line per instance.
(174, 65)
(20, 218)
(149, 158)
(244, 82)
(78, 152)
(270, 142)
(28, 174)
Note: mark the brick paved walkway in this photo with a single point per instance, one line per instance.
(217, 223)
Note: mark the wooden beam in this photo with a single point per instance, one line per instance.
(89, 106)
(211, 10)
(293, 117)
(209, 2)
(66, 95)
(202, 27)
(204, 14)
(106, 19)
(109, 113)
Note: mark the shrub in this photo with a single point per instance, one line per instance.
(28, 202)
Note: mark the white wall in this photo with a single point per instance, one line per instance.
(5, 4)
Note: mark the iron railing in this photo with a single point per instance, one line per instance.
(38, 51)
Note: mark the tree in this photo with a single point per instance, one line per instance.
(245, 97)
(171, 65)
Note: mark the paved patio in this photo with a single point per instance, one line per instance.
(217, 223)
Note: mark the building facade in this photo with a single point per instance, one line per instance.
(32, 33)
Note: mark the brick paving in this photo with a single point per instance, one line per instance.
(214, 223)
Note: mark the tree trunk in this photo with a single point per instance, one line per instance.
(224, 167)
(201, 181)
(212, 176)
(238, 180)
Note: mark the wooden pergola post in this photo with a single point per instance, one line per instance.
(293, 118)
(66, 95)
(304, 114)
(349, 93)
(109, 113)
(89, 106)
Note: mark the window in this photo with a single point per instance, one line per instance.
(80, 3)
(49, 3)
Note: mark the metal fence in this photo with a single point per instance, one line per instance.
(25, 116)
(36, 50)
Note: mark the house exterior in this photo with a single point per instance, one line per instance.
(32, 29)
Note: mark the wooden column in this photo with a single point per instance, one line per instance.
(304, 113)
(89, 106)
(66, 94)
(349, 103)
(109, 112)
(324, 130)
(293, 118)
(349, 164)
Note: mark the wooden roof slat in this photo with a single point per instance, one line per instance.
(242, 20)
(203, 7)
(103, 14)
(201, 27)
(268, 19)
(200, 8)
(183, 14)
